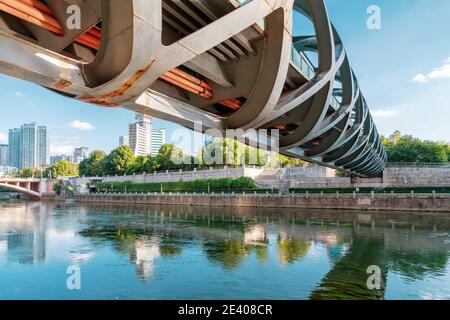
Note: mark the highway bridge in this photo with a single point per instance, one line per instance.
(225, 63)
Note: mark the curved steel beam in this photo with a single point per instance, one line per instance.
(244, 53)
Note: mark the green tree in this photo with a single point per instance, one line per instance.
(93, 165)
(143, 164)
(230, 152)
(62, 168)
(171, 157)
(118, 160)
(29, 173)
(283, 161)
(409, 149)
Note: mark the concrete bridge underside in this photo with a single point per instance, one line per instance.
(30, 187)
(227, 63)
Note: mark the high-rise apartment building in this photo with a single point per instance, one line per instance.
(42, 151)
(157, 139)
(80, 154)
(139, 135)
(4, 151)
(15, 143)
(34, 146)
(28, 146)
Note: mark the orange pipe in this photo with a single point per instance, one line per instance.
(190, 78)
(87, 38)
(88, 42)
(179, 84)
(21, 15)
(95, 32)
(188, 83)
(38, 5)
(32, 12)
(230, 104)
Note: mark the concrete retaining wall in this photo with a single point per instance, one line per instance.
(348, 202)
(417, 176)
(188, 175)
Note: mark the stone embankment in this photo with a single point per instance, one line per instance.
(386, 202)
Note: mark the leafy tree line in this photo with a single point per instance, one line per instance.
(405, 148)
(217, 153)
(121, 160)
(62, 168)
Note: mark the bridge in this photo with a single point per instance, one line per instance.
(228, 64)
(31, 187)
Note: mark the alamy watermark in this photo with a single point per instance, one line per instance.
(374, 280)
(374, 19)
(73, 281)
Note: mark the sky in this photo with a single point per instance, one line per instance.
(403, 70)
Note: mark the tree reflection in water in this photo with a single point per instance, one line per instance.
(228, 240)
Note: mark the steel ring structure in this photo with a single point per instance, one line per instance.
(225, 63)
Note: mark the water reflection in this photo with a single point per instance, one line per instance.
(332, 250)
(23, 234)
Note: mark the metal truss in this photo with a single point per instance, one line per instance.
(225, 63)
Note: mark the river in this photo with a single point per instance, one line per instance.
(75, 251)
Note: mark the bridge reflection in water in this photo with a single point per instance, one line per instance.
(186, 252)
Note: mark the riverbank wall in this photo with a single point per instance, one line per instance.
(385, 202)
(311, 177)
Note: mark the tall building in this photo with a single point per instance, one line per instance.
(158, 138)
(34, 146)
(4, 151)
(15, 143)
(28, 146)
(80, 154)
(42, 151)
(124, 141)
(139, 135)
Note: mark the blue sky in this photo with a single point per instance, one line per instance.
(403, 70)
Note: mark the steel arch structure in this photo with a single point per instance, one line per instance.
(225, 63)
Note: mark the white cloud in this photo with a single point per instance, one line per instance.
(85, 126)
(420, 78)
(61, 149)
(384, 114)
(19, 94)
(3, 137)
(442, 72)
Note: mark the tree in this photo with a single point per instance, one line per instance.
(170, 157)
(93, 165)
(409, 149)
(143, 164)
(230, 152)
(29, 173)
(118, 160)
(62, 168)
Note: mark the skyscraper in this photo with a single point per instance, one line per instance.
(139, 135)
(28, 146)
(42, 146)
(4, 151)
(158, 138)
(15, 142)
